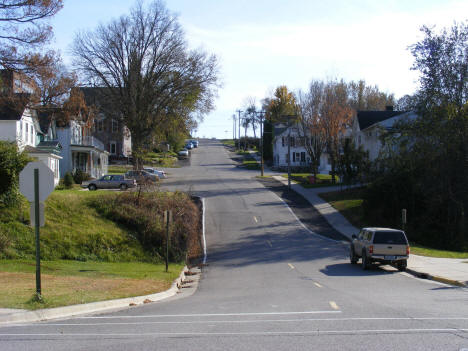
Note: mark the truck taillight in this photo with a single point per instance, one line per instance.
(371, 249)
(407, 250)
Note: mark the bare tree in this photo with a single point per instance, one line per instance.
(143, 62)
(23, 30)
(310, 129)
(336, 114)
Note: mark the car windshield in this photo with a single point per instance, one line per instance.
(397, 238)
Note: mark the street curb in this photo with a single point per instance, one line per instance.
(436, 278)
(93, 307)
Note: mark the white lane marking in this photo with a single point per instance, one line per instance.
(269, 243)
(255, 219)
(290, 266)
(203, 230)
(334, 305)
(259, 321)
(308, 332)
(318, 285)
(212, 315)
(303, 225)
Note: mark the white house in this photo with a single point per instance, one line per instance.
(19, 123)
(81, 151)
(299, 156)
(368, 126)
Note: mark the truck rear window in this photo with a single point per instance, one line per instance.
(396, 238)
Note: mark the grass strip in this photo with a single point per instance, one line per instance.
(72, 282)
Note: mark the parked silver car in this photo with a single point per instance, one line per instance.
(141, 176)
(381, 245)
(109, 181)
(160, 174)
(184, 153)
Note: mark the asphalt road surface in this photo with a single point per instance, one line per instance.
(269, 284)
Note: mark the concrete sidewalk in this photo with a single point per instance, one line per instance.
(446, 270)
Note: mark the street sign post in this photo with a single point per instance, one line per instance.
(167, 221)
(36, 182)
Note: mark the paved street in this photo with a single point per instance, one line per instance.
(269, 284)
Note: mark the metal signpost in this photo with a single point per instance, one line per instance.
(36, 182)
(167, 220)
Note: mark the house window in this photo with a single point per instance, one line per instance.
(294, 157)
(292, 142)
(282, 141)
(115, 126)
(303, 157)
(113, 147)
(100, 125)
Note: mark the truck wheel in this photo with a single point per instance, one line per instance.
(123, 187)
(92, 187)
(402, 265)
(365, 261)
(352, 255)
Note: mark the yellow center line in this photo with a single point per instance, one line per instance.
(334, 305)
(290, 266)
(318, 285)
(255, 219)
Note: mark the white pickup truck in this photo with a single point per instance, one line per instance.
(110, 181)
(380, 245)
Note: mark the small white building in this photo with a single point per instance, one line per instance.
(368, 126)
(19, 124)
(299, 155)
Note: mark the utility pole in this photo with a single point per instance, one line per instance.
(234, 128)
(261, 142)
(239, 130)
(289, 149)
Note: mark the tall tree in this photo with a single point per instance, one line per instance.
(336, 114)
(310, 124)
(365, 97)
(282, 103)
(144, 62)
(24, 30)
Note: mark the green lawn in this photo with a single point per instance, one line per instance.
(322, 180)
(73, 282)
(119, 169)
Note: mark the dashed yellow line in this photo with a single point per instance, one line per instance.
(255, 219)
(334, 305)
(318, 285)
(290, 266)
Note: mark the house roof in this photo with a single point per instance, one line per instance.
(99, 97)
(12, 108)
(369, 118)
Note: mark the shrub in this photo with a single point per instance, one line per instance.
(68, 180)
(144, 215)
(79, 176)
(11, 164)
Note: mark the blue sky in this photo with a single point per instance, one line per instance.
(265, 43)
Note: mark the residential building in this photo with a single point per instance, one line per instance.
(80, 150)
(368, 126)
(19, 123)
(108, 126)
(299, 155)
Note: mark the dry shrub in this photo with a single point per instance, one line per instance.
(142, 213)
